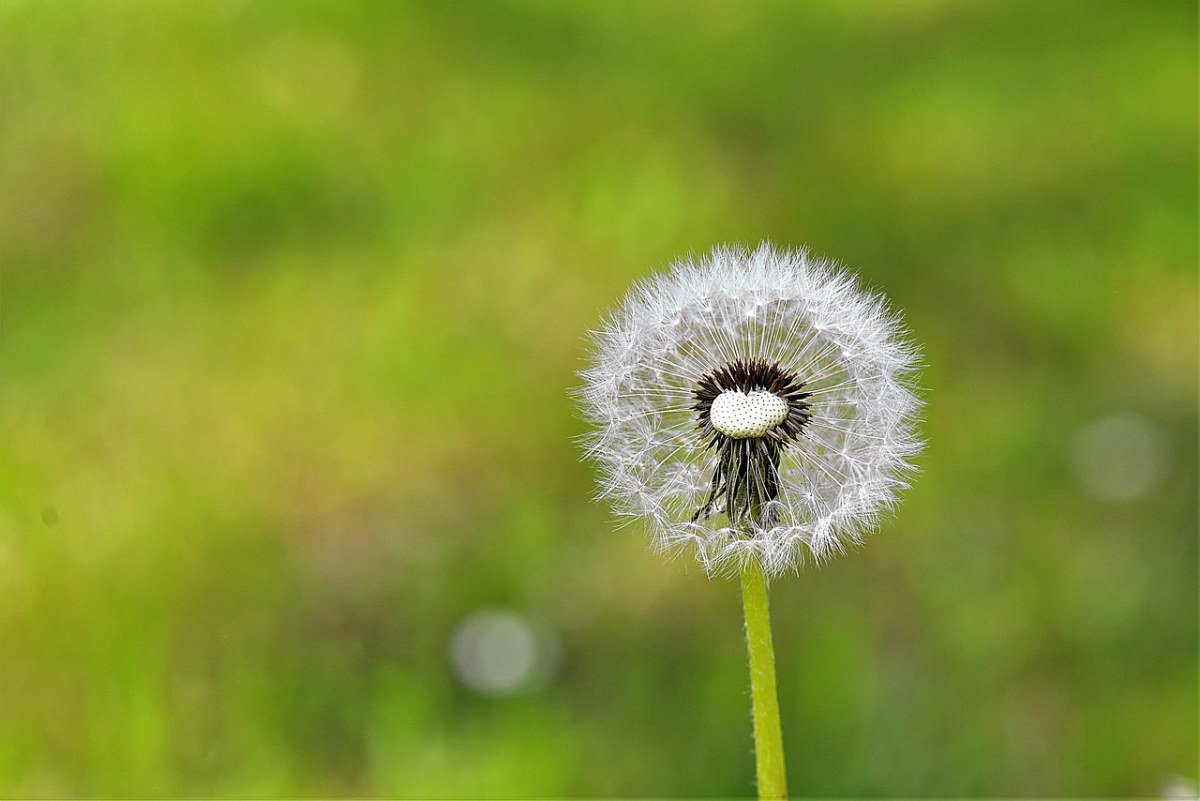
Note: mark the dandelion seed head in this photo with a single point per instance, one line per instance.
(752, 405)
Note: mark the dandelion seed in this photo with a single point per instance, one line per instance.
(753, 406)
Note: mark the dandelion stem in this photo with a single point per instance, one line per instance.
(768, 736)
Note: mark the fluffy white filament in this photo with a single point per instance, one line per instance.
(807, 315)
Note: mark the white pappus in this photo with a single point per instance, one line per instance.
(752, 405)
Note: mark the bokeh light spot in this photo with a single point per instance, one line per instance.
(495, 653)
(1120, 457)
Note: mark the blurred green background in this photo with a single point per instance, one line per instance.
(293, 294)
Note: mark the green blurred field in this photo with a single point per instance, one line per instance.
(293, 294)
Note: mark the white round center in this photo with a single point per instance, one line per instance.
(739, 415)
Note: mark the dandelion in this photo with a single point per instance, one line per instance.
(756, 409)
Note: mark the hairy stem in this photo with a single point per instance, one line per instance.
(768, 736)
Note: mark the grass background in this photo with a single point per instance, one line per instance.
(293, 293)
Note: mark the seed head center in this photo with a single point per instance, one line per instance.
(739, 415)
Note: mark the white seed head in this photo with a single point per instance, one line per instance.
(809, 317)
(739, 415)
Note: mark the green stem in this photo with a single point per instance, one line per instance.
(768, 736)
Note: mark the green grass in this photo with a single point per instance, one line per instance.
(292, 297)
